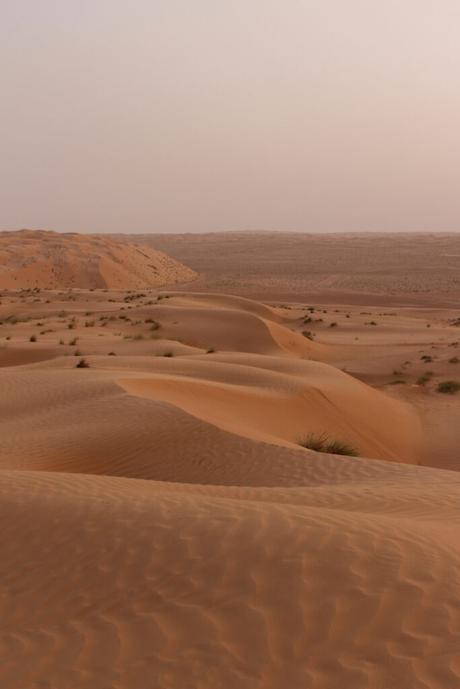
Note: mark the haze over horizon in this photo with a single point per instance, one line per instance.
(195, 117)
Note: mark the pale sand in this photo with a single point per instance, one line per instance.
(245, 561)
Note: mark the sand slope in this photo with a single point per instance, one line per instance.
(30, 259)
(141, 584)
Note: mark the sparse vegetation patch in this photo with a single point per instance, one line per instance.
(323, 443)
(449, 387)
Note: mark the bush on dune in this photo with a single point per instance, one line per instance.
(323, 443)
(449, 387)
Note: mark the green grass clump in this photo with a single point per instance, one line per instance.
(322, 443)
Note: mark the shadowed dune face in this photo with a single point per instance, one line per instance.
(163, 529)
(39, 259)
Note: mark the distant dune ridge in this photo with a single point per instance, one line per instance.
(44, 259)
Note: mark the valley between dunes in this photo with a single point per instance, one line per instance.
(162, 527)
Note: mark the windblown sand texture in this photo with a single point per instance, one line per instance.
(37, 258)
(163, 529)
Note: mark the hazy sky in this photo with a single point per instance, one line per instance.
(200, 115)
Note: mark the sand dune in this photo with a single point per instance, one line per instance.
(162, 528)
(232, 330)
(39, 259)
(279, 408)
(185, 401)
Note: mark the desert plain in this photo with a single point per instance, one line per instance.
(229, 461)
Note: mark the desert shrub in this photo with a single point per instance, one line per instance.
(454, 360)
(423, 380)
(32, 338)
(333, 324)
(82, 364)
(449, 387)
(426, 358)
(322, 443)
(211, 350)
